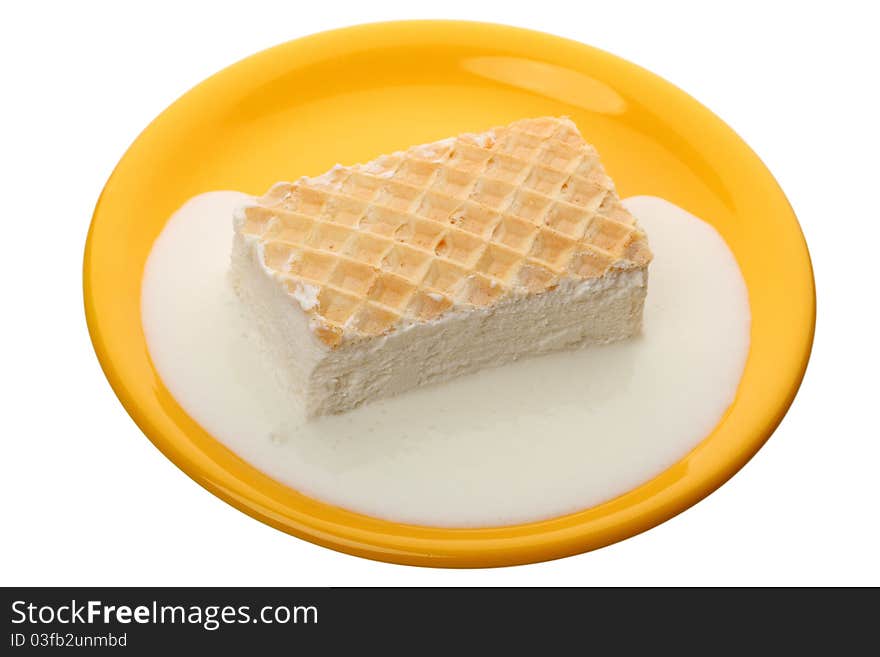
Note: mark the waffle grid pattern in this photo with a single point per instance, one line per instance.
(460, 222)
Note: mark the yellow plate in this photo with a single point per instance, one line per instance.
(349, 95)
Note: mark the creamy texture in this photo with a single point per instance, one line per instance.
(577, 312)
(534, 439)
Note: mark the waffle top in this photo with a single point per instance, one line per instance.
(460, 223)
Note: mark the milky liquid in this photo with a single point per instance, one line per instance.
(531, 440)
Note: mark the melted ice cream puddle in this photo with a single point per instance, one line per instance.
(527, 441)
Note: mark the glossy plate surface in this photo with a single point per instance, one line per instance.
(349, 95)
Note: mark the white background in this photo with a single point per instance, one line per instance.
(86, 499)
